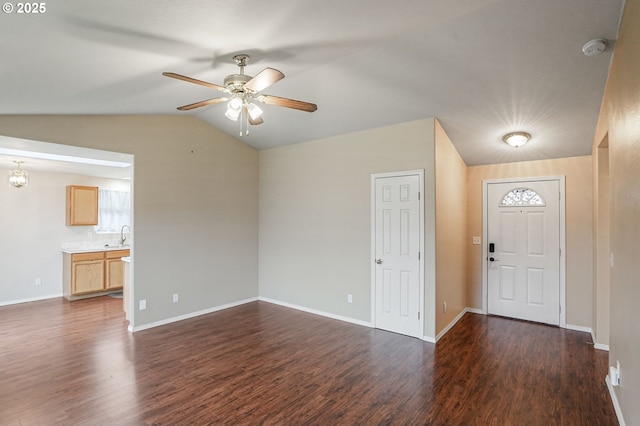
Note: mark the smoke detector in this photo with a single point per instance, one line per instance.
(594, 47)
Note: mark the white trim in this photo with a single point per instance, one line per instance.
(429, 339)
(456, 319)
(600, 346)
(562, 242)
(374, 176)
(451, 324)
(31, 299)
(316, 312)
(579, 328)
(589, 330)
(614, 400)
(190, 315)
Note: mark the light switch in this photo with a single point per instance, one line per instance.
(477, 240)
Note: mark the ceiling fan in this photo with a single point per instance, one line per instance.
(242, 93)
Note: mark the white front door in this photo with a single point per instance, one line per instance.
(397, 229)
(523, 252)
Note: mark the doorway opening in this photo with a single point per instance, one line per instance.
(36, 219)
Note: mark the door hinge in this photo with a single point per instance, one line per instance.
(559, 195)
(418, 315)
(560, 252)
(418, 196)
(418, 255)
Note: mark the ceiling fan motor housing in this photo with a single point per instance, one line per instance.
(236, 82)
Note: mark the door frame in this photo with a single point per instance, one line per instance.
(374, 176)
(562, 266)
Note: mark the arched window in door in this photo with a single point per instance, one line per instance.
(522, 197)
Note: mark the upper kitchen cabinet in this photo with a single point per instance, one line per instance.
(82, 205)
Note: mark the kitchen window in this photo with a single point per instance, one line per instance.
(114, 210)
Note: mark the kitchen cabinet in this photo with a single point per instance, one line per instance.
(82, 205)
(87, 273)
(90, 274)
(114, 269)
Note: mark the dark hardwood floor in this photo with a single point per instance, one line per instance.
(74, 363)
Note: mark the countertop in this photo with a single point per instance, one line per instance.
(72, 248)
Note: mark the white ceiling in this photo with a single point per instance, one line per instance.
(482, 67)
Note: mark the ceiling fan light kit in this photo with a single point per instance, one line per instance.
(244, 91)
(516, 139)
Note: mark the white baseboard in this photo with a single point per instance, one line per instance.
(455, 320)
(579, 328)
(584, 329)
(190, 315)
(316, 312)
(32, 299)
(614, 399)
(600, 346)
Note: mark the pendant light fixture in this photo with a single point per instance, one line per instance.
(18, 177)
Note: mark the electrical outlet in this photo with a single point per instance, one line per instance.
(477, 240)
(38, 281)
(349, 298)
(175, 298)
(143, 304)
(444, 307)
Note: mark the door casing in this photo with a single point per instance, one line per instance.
(421, 219)
(485, 217)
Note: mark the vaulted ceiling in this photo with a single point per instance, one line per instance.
(482, 67)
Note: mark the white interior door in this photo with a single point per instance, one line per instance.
(397, 230)
(523, 254)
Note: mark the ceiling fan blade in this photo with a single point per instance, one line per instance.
(194, 81)
(202, 103)
(288, 103)
(264, 79)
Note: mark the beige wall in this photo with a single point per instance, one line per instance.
(577, 171)
(619, 119)
(315, 217)
(195, 205)
(451, 230)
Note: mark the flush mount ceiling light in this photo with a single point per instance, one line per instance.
(18, 177)
(594, 47)
(516, 139)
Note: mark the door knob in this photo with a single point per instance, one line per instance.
(492, 259)
(379, 261)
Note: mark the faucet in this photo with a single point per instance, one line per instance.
(122, 237)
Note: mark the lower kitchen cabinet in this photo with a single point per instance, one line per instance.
(93, 273)
(114, 269)
(87, 273)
